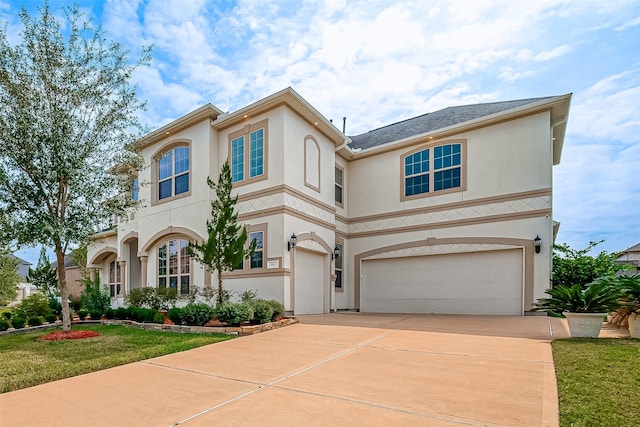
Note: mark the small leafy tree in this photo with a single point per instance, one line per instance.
(44, 277)
(68, 117)
(576, 267)
(224, 247)
(93, 297)
(8, 278)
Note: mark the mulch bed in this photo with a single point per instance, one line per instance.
(68, 335)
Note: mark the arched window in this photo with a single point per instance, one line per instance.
(174, 266)
(173, 172)
(115, 279)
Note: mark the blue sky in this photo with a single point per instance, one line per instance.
(378, 62)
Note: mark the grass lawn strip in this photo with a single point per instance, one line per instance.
(598, 381)
(26, 362)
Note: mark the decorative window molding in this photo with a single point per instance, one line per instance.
(171, 169)
(339, 185)
(312, 163)
(248, 148)
(174, 265)
(434, 169)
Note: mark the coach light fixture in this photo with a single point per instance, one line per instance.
(336, 252)
(537, 243)
(291, 244)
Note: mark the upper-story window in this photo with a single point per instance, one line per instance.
(433, 170)
(339, 185)
(173, 173)
(248, 153)
(135, 189)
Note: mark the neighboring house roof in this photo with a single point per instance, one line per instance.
(634, 248)
(68, 263)
(23, 266)
(449, 116)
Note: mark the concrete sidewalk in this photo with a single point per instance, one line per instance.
(338, 369)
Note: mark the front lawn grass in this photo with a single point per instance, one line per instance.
(25, 362)
(598, 381)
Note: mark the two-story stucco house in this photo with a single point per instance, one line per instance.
(434, 214)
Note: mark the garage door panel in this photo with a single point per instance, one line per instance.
(473, 283)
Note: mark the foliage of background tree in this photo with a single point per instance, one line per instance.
(576, 267)
(8, 278)
(44, 277)
(224, 247)
(68, 115)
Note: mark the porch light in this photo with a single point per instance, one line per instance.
(336, 252)
(291, 244)
(537, 243)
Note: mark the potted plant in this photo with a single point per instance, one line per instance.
(584, 307)
(628, 314)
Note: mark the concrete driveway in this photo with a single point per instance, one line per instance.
(337, 369)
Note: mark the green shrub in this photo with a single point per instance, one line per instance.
(93, 298)
(51, 318)
(18, 322)
(4, 324)
(7, 315)
(110, 313)
(158, 318)
(262, 311)
(95, 314)
(35, 321)
(33, 305)
(55, 305)
(278, 309)
(75, 304)
(141, 314)
(82, 313)
(121, 313)
(175, 315)
(156, 298)
(197, 314)
(234, 313)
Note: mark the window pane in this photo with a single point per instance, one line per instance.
(256, 153)
(182, 183)
(184, 257)
(237, 159)
(339, 176)
(112, 272)
(184, 285)
(112, 291)
(118, 272)
(173, 282)
(339, 258)
(162, 282)
(182, 160)
(256, 259)
(338, 194)
(164, 166)
(135, 187)
(162, 260)
(449, 178)
(338, 279)
(164, 189)
(446, 156)
(416, 185)
(173, 257)
(416, 163)
(257, 236)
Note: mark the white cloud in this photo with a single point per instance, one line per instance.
(629, 24)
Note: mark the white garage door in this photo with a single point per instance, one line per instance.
(309, 282)
(474, 283)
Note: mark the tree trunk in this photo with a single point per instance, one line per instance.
(219, 287)
(64, 293)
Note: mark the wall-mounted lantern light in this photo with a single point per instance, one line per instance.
(336, 252)
(292, 242)
(537, 243)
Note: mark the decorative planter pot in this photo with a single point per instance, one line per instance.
(634, 326)
(585, 324)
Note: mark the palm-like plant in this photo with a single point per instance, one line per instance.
(600, 296)
(629, 286)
